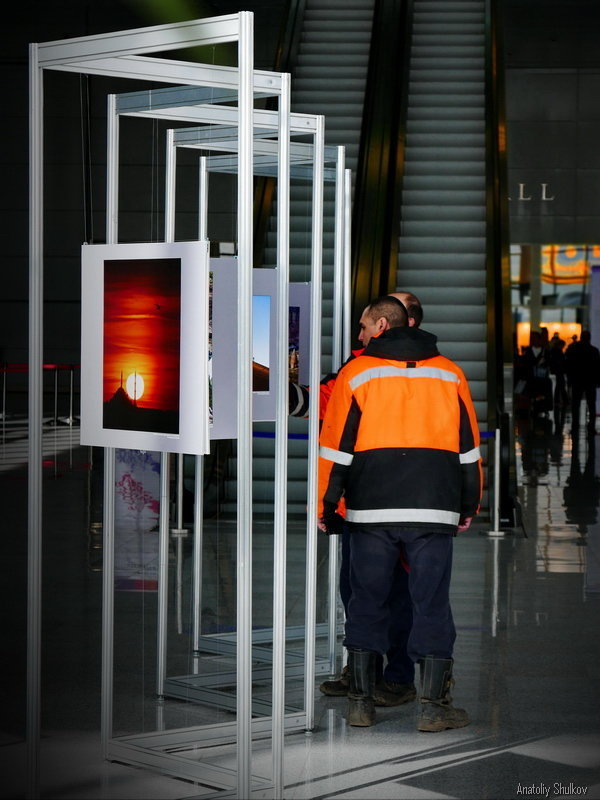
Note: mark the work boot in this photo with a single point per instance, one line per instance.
(390, 693)
(437, 711)
(361, 706)
(339, 686)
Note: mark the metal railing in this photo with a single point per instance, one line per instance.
(60, 387)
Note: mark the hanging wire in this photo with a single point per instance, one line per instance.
(86, 158)
(152, 178)
(154, 185)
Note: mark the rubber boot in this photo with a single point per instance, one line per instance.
(390, 693)
(437, 711)
(339, 686)
(361, 706)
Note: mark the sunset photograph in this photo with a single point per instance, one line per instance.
(141, 344)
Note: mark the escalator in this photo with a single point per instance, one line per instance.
(411, 90)
(442, 244)
(329, 74)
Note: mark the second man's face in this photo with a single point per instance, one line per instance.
(367, 328)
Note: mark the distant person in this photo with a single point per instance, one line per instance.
(556, 363)
(574, 339)
(536, 373)
(582, 366)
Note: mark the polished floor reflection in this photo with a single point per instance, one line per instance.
(527, 658)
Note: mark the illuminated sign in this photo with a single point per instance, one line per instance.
(568, 263)
(565, 330)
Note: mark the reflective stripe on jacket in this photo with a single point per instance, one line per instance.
(400, 440)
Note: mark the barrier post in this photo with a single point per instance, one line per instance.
(179, 534)
(55, 395)
(496, 532)
(71, 376)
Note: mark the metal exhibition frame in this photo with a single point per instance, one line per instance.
(217, 134)
(305, 160)
(123, 54)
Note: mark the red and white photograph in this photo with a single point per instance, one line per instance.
(144, 353)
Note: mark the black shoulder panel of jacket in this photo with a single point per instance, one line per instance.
(403, 344)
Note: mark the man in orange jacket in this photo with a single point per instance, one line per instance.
(400, 443)
(395, 680)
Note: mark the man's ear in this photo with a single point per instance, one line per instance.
(382, 325)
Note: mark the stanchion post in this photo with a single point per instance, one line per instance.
(496, 532)
(179, 533)
(55, 395)
(4, 366)
(71, 376)
(4, 369)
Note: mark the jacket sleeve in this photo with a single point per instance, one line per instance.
(325, 392)
(470, 455)
(299, 397)
(336, 444)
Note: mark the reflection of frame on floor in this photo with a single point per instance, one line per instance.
(217, 687)
(144, 367)
(212, 681)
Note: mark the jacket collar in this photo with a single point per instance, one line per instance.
(403, 344)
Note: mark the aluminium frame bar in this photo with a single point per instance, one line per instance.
(347, 300)
(244, 409)
(165, 467)
(35, 399)
(108, 519)
(135, 41)
(313, 415)
(198, 535)
(300, 152)
(280, 516)
(165, 71)
(303, 124)
(336, 363)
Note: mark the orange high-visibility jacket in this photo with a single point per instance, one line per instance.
(400, 440)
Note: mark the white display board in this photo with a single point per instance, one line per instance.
(223, 343)
(144, 346)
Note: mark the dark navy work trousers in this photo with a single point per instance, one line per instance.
(374, 554)
(399, 667)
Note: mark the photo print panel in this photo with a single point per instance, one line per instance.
(299, 364)
(223, 326)
(144, 346)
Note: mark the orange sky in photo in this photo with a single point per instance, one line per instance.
(142, 328)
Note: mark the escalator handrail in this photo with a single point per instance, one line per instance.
(377, 190)
(285, 59)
